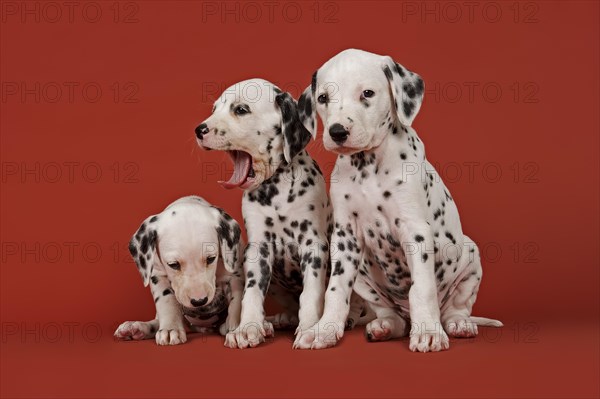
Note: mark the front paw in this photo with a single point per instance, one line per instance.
(250, 334)
(323, 334)
(428, 337)
(172, 335)
(229, 330)
(134, 330)
(231, 340)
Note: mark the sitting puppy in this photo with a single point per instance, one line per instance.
(285, 205)
(397, 237)
(182, 251)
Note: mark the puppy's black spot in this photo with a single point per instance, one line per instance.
(450, 237)
(419, 86)
(338, 269)
(399, 70)
(132, 249)
(409, 89)
(407, 108)
(304, 225)
(387, 72)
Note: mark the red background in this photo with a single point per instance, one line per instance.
(538, 221)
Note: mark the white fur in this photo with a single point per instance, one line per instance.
(390, 203)
(287, 193)
(186, 235)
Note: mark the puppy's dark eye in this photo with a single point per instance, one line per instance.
(368, 93)
(323, 99)
(174, 265)
(210, 259)
(241, 110)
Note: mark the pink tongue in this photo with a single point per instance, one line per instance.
(241, 168)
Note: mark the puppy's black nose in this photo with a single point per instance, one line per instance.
(338, 133)
(199, 302)
(201, 130)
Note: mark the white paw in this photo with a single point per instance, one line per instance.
(379, 330)
(171, 336)
(135, 330)
(283, 320)
(461, 327)
(428, 337)
(229, 330)
(385, 328)
(231, 340)
(253, 333)
(320, 336)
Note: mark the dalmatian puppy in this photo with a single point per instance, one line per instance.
(397, 238)
(190, 255)
(286, 209)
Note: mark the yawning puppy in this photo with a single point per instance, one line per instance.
(190, 256)
(285, 205)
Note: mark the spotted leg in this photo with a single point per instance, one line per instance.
(313, 260)
(345, 258)
(427, 334)
(171, 329)
(253, 328)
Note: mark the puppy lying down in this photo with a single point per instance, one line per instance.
(189, 254)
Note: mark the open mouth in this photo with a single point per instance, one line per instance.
(243, 173)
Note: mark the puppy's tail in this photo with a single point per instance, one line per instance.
(484, 321)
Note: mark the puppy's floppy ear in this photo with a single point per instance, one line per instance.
(143, 248)
(307, 108)
(295, 135)
(407, 90)
(230, 241)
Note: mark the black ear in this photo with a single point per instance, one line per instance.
(307, 108)
(407, 90)
(143, 247)
(230, 241)
(295, 135)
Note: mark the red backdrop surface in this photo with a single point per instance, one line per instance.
(99, 103)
